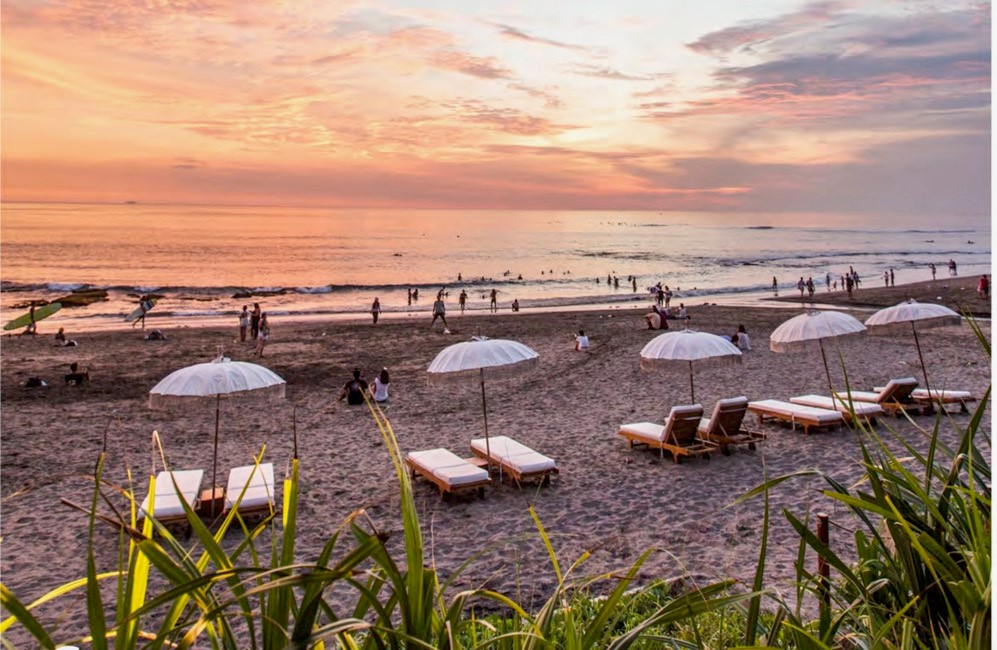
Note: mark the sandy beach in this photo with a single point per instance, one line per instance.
(607, 498)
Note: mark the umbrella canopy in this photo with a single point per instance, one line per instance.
(482, 358)
(913, 314)
(687, 348)
(215, 379)
(800, 332)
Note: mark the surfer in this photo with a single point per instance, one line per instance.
(145, 305)
(32, 325)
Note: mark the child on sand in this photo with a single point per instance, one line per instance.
(581, 342)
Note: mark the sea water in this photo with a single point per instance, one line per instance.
(315, 263)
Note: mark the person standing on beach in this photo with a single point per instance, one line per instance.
(893, 281)
(983, 287)
(263, 335)
(144, 304)
(635, 283)
(801, 285)
(775, 286)
(375, 309)
(410, 297)
(827, 280)
(668, 296)
(462, 299)
(810, 287)
(32, 327)
(849, 285)
(886, 278)
(254, 321)
(243, 323)
(494, 301)
(439, 311)
(931, 265)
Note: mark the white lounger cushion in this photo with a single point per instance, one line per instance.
(167, 503)
(652, 431)
(863, 396)
(648, 430)
(864, 409)
(261, 487)
(944, 395)
(448, 466)
(789, 410)
(514, 454)
(706, 424)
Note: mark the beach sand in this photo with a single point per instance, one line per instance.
(607, 498)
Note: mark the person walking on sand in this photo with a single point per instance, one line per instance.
(410, 297)
(439, 311)
(983, 287)
(243, 323)
(263, 335)
(775, 286)
(145, 305)
(254, 321)
(810, 287)
(801, 285)
(462, 299)
(931, 265)
(375, 309)
(493, 306)
(32, 327)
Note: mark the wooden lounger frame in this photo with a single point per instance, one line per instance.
(543, 474)
(681, 439)
(445, 488)
(793, 420)
(940, 402)
(730, 429)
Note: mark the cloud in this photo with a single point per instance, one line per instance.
(750, 34)
(474, 66)
(514, 33)
(604, 72)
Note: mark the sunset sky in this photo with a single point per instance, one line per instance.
(765, 105)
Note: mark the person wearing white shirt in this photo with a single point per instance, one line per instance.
(581, 341)
(379, 388)
(743, 341)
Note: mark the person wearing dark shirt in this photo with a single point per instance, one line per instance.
(353, 391)
(75, 377)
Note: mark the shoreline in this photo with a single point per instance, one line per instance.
(955, 293)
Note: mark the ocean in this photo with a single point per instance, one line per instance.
(331, 263)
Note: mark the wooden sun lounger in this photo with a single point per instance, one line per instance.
(516, 459)
(255, 485)
(725, 425)
(448, 471)
(894, 397)
(849, 410)
(806, 416)
(942, 397)
(677, 435)
(167, 507)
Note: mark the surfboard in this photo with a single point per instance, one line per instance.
(135, 315)
(40, 312)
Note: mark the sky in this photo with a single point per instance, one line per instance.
(830, 106)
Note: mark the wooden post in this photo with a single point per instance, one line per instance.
(823, 568)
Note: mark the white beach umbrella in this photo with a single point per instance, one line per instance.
(915, 314)
(218, 378)
(800, 332)
(687, 348)
(482, 358)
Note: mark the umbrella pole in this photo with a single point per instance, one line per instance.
(484, 411)
(692, 388)
(214, 461)
(827, 372)
(924, 369)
